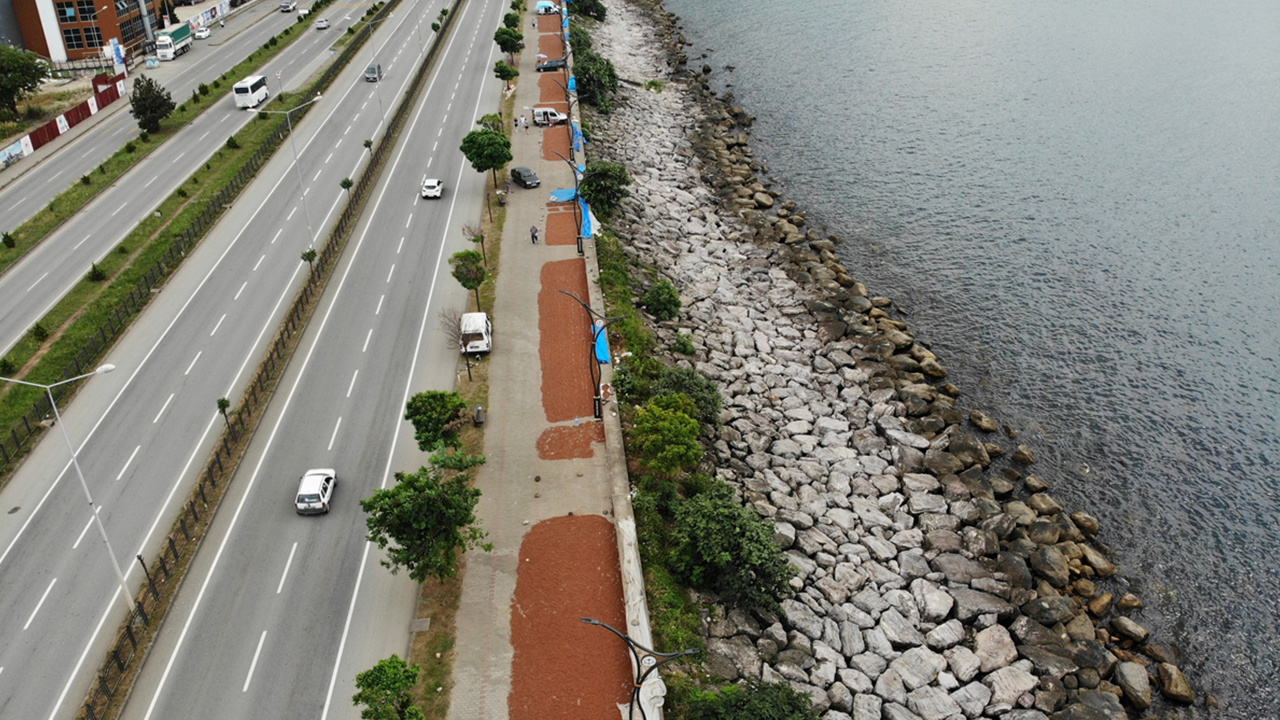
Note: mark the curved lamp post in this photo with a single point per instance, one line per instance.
(382, 113)
(93, 511)
(302, 188)
(646, 661)
(598, 325)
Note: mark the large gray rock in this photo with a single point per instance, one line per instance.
(897, 711)
(1050, 610)
(1130, 629)
(1047, 663)
(958, 568)
(972, 603)
(931, 703)
(855, 680)
(868, 664)
(1030, 632)
(945, 635)
(890, 687)
(1009, 683)
(1049, 563)
(899, 630)
(840, 697)
(972, 698)
(1132, 679)
(918, 667)
(933, 602)
(994, 648)
(802, 618)
(1092, 705)
(867, 707)
(740, 653)
(963, 663)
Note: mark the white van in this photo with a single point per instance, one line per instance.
(250, 91)
(548, 116)
(476, 333)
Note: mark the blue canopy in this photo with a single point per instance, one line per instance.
(562, 195)
(602, 342)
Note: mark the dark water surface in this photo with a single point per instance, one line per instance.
(1077, 203)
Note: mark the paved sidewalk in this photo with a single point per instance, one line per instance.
(520, 486)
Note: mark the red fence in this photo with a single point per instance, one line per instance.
(107, 90)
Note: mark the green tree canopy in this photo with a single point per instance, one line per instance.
(666, 438)
(436, 416)
(384, 691)
(590, 8)
(150, 103)
(597, 80)
(604, 186)
(509, 40)
(728, 549)
(468, 270)
(491, 121)
(689, 382)
(487, 149)
(505, 72)
(511, 20)
(20, 75)
(579, 38)
(423, 522)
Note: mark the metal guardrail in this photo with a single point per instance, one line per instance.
(132, 640)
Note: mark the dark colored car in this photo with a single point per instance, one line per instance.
(525, 177)
(551, 65)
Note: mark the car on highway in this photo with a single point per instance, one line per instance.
(322, 24)
(202, 33)
(315, 490)
(288, 6)
(432, 188)
(555, 64)
(373, 73)
(525, 177)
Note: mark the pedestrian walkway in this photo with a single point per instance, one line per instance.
(547, 460)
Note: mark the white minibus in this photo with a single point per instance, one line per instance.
(250, 91)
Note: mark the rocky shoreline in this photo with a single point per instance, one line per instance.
(930, 585)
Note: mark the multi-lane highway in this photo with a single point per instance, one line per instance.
(33, 285)
(143, 430)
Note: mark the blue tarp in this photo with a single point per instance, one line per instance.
(587, 230)
(578, 138)
(602, 342)
(573, 83)
(562, 195)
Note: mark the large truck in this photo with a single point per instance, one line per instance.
(173, 42)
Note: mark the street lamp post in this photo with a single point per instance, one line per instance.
(57, 420)
(381, 111)
(646, 662)
(598, 325)
(578, 177)
(302, 188)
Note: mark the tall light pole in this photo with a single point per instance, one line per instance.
(93, 511)
(302, 188)
(382, 113)
(599, 323)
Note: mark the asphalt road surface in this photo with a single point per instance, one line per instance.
(43, 276)
(143, 431)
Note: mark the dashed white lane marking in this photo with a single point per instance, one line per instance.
(193, 362)
(254, 664)
(287, 563)
(166, 407)
(42, 599)
(134, 453)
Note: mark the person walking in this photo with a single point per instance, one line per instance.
(533, 234)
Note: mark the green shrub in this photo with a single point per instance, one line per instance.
(86, 180)
(182, 193)
(39, 333)
(634, 379)
(7, 367)
(232, 143)
(687, 381)
(683, 344)
(754, 700)
(662, 300)
(129, 147)
(8, 240)
(203, 89)
(666, 438)
(217, 83)
(96, 273)
(727, 549)
(144, 136)
(122, 249)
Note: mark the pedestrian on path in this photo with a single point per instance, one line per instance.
(533, 234)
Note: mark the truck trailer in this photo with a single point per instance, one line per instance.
(173, 42)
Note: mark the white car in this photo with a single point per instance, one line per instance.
(315, 490)
(322, 24)
(202, 33)
(432, 188)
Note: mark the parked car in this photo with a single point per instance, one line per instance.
(525, 177)
(549, 116)
(202, 33)
(322, 24)
(288, 6)
(475, 333)
(432, 188)
(315, 490)
(555, 64)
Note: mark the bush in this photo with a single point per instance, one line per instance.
(8, 240)
(129, 147)
(39, 333)
(634, 379)
(7, 368)
(144, 136)
(687, 381)
(727, 549)
(182, 193)
(96, 273)
(666, 437)
(86, 180)
(754, 700)
(683, 344)
(662, 300)
(203, 89)
(232, 143)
